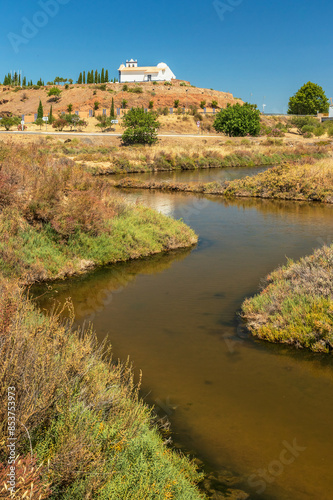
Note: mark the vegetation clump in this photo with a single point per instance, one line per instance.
(295, 305)
(238, 120)
(140, 127)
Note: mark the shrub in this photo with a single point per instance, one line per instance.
(136, 90)
(238, 120)
(276, 132)
(54, 93)
(125, 88)
(301, 121)
(202, 104)
(141, 127)
(176, 103)
(319, 131)
(308, 129)
(96, 105)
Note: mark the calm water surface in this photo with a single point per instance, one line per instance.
(233, 401)
(204, 175)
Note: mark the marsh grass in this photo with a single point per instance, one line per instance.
(306, 180)
(139, 160)
(296, 304)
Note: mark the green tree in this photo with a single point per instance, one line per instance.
(141, 127)
(84, 77)
(10, 121)
(79, 81)
(51, 118)
(106, 78)
(214, 104)
(203, 104)
(102, 76)
(39, 122)
(238, 120)
(308, 100)
(112, 113)
(124, 103)
(96, 77)
(103, 121)
(24, 81)
(96, 105)
(70, 108)
(40, 112)
(176, 103)
(151, 105)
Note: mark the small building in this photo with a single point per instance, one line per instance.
(134, 73)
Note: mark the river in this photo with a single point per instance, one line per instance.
(262, 411)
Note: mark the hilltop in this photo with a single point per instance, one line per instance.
(83, 97)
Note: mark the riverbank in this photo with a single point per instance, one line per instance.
(193, 156)
(295, 306)
(81, 430)
(296, 182)
(56, 220)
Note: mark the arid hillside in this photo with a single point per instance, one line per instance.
(83, 97)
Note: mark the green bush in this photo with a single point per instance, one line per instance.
(308, 129)
(136, 90)
(141, 127)
(301, 121)
(238, 120)
(319, 131)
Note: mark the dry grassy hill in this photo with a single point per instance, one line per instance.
(83, 97)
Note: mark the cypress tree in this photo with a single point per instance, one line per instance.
(51, 115)
(99, 78)
(112, 115)
(102, 76)
(96, 76)
(84, 77)
(40, 112)
(24, 82)
(80, 79)
(106, 78)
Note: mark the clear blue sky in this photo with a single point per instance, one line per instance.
(264, 47)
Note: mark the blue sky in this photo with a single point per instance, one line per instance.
(265, 48)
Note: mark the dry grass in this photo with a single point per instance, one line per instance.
(298, 182)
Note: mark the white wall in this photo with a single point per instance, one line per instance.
(137, 76)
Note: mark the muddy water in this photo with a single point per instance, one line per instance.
(262, 411)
